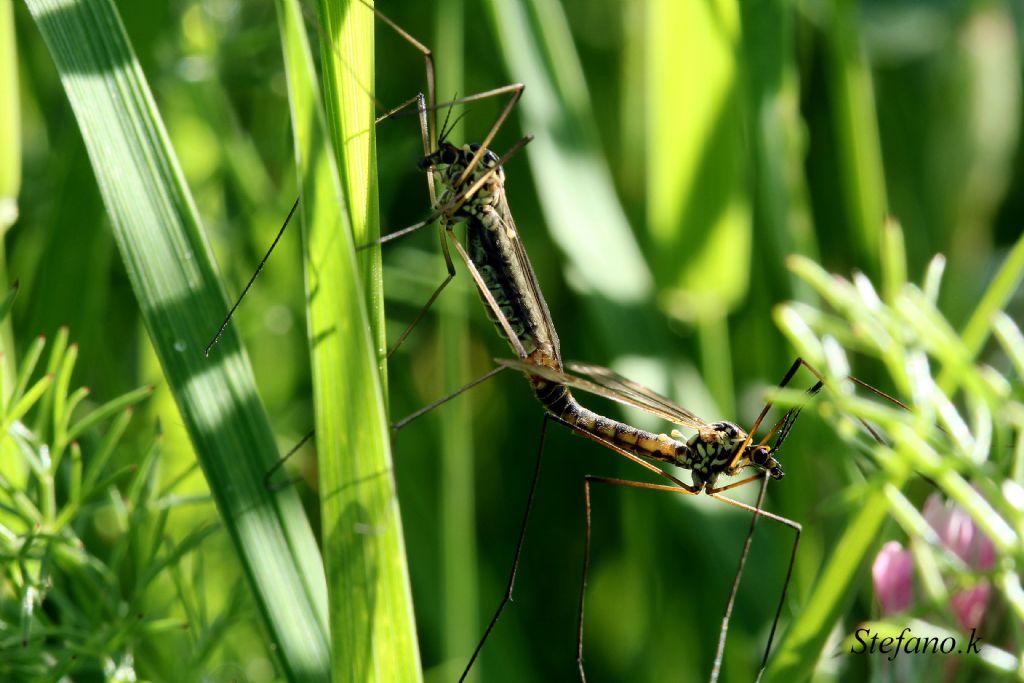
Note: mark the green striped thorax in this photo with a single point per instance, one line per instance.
(451, 161)
(712, 450)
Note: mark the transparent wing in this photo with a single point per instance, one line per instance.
(641, 394)
(524, 261)
(608, 384)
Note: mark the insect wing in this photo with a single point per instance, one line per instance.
(509, 226)
(661, 407)
(643, 397)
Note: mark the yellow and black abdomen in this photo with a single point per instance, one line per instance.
(560, 402)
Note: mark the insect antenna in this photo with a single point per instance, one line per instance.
(786, 423)
(442, 136)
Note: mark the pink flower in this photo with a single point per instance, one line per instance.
(969, 605)
(958, 532)
(893, 573)
(893, 568)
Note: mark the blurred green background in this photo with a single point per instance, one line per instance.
(683, 150)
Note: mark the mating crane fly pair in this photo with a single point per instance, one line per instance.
(472, 181)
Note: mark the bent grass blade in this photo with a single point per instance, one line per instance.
(373, 634)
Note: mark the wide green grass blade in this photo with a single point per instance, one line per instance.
(858, 148)
(170, 267)
(346, 55)
(10, 122)
(10, 161)
(697, 200)
(373, 634)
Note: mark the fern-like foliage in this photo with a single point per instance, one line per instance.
(961, 429)
(83, 540)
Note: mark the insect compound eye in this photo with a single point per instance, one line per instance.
(759, 456)
(449, 155)
(427, 161)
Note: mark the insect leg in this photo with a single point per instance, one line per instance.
(723, 630)
(270, 485)
(515, 556)
(396, 426)
(263, 262)
(680, 487)
(757, 512)
(587, 481)
(506, 327)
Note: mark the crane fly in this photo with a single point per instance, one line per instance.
(471, 179)
(506, 282)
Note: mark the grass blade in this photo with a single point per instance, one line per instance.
(856, 125)
(373, 635)
(170, 267)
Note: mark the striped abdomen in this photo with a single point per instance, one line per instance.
(561, 403)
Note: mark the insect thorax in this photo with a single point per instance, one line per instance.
(452, 162)
(712, 451)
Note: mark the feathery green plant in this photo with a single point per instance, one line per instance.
(964, 422)
(84, 540)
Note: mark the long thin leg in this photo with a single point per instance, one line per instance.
(396, 426)
(263, 262)
(418, 99)
(680, 487)
(723, 631)
(795, 526)
(450, 268)
(271, 486)
(428, 58)
(757, 512)
(587, 481)
(515, 556)
(506, 327)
